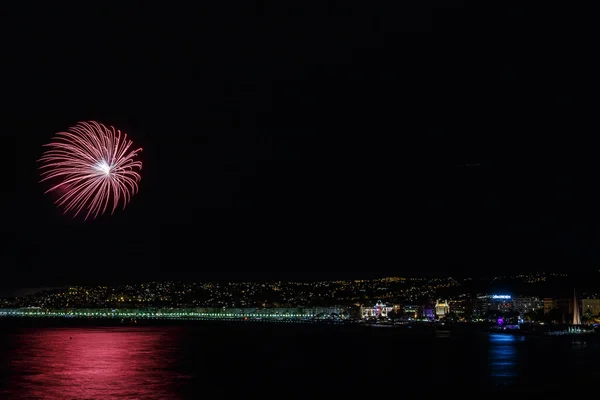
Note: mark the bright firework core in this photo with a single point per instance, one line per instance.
(104, 167)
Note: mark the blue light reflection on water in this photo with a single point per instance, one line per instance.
(502, 357)
(182, 362)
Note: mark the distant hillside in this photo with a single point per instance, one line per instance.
(546, 285)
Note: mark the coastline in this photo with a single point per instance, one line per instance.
(438, 329)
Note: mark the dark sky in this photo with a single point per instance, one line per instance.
(280, 142)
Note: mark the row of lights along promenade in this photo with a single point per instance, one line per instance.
(274, 314)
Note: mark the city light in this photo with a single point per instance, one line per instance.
(398, 302)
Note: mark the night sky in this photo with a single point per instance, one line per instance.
(279, 142)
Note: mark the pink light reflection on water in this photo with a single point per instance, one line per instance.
(90, 363)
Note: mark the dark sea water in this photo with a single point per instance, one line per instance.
(282, 361)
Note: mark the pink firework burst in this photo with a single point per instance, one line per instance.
(91, 167)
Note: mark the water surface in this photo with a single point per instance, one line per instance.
(168, 362)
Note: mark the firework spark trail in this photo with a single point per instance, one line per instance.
(95, 165)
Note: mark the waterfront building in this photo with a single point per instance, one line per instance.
(441, 308)
(506, 302)
(565, 306)
(379, 310)
(524, 305)
(297, 313)
(426, 312)
(411, 310)
(461, 307)
(590, 307)
(493, 302)
(549, 304)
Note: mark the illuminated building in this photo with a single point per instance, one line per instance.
(209, 313)
(505, 302)
(379, 310)
(495, 302)
(461, 307)
(427, 312)
(441, 308)
(411, 310)
(590, 307)
(524, 305)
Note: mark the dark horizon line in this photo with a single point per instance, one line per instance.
(305, 280)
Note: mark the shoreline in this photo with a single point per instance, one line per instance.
(457, 328)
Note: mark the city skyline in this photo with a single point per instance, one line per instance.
(312, 191)
(505, 302)
(526, 282)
